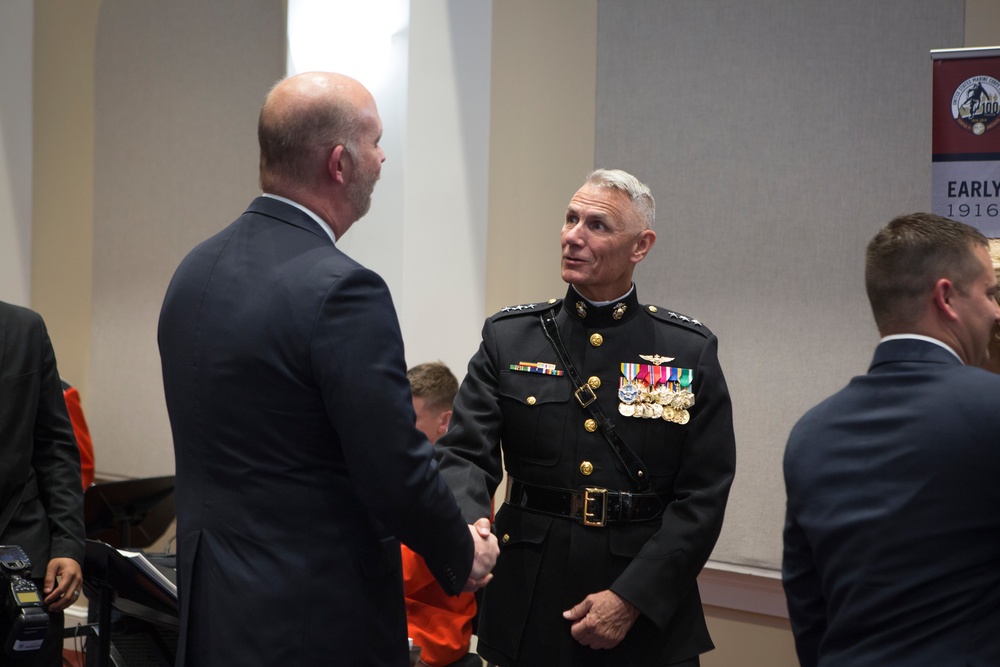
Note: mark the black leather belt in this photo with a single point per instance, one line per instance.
(591, 506)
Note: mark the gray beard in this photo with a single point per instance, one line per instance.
(359, 192)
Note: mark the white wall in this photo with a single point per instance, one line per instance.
(446, 165)
(426, 231)
(16, 19)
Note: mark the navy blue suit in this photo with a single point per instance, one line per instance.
(297, 456)
(892, 534)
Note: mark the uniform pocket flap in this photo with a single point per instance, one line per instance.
(517, 526)
(534, 388)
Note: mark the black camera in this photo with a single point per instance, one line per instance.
(24, 621)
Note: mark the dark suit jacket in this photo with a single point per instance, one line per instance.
(892, 536)
(297, 456)
(40, 471)
(548, 564)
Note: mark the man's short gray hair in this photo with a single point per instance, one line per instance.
(637, 191)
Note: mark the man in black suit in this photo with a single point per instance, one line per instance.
(41, 498)
(890, 549)
(610, 515)
(298, 463)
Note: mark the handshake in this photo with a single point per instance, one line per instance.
(487, 550)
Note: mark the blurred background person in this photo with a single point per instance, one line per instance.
(41, 499)
(440, 624)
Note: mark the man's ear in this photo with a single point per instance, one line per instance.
(944, 296)
(643, 245)
(338, 163)
(442, 422)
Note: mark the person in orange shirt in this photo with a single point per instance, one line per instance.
(81, 433)
(440, 624)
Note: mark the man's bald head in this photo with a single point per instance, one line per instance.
(303, 118)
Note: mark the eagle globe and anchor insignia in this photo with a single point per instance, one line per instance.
(975, 104)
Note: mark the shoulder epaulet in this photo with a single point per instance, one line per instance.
(673, 317)
(527, 308)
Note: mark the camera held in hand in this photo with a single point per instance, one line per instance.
(23, 620)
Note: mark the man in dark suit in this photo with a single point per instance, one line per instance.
(298, 464)
(41, 498)
(890, 550)
(608, 519)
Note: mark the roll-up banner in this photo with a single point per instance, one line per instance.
(965, 178)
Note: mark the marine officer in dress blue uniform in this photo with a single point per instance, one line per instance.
(615, 426)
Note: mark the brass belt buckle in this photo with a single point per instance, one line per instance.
(598, 495)
(588, 395)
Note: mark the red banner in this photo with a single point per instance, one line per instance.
(966, 137)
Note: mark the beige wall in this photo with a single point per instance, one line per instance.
(63, 179)
(541, 140)
(748, 640)
(982, 23)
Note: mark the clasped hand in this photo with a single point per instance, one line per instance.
(487, 550)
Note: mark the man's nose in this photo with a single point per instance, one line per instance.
(573, 234)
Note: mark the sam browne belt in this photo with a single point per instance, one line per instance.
(591, 506)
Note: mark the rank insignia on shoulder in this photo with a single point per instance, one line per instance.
(533, 309)
(664, 314)
(535, 367)
(683, 318)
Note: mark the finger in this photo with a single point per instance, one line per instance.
(578, 611)
(483, 527)
(473, 585)
(50, 577)
(58, 600)
(581, 633)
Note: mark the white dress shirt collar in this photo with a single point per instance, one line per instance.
(319, 220)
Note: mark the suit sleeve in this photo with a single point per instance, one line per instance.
(664, 571)
(56, 460)
(357, 353)
(801, 580)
